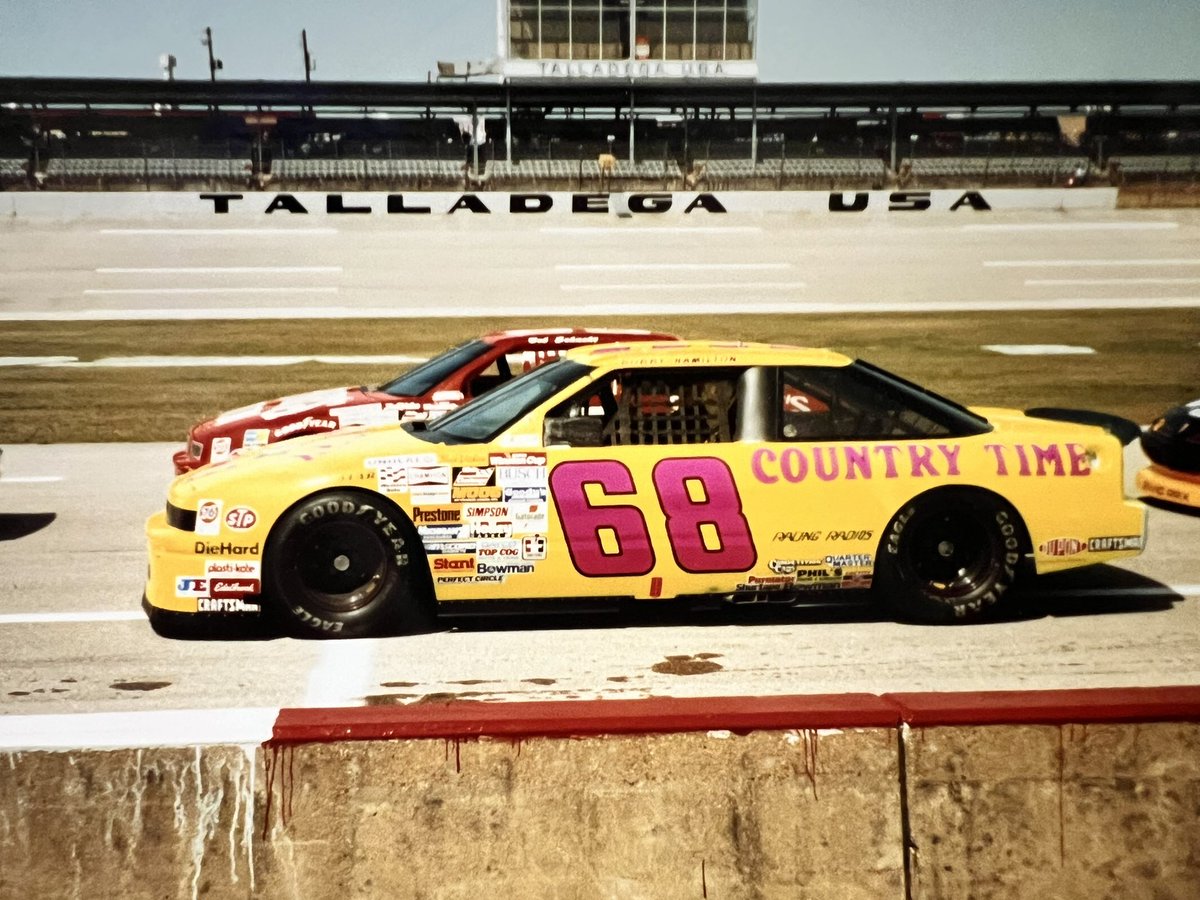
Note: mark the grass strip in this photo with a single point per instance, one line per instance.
(1145, 361)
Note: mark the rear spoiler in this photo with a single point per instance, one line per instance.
(1122, 429)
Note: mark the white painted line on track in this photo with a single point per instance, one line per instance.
(668, 267)
(715, 307)
(137, 730)
(664, 229)
(110, 292)
(221, 270)
(1089, 282)
(31, 479)
(342, 675)
(997, 228)
(37, 360)
(1038, 349)
(257, 232)
(689, 286)
(162, 362)
(47, 618)
(1085, 263)
(1182, 590)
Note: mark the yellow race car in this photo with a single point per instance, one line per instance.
(651, 471)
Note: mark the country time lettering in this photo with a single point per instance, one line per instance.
(849, 463)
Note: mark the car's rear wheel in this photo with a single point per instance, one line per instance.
(950, 556)
(347, 564)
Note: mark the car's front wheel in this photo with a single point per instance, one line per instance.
(949, 556)
(347, 564)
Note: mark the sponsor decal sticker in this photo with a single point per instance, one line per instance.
(308, 423)
(392, 471)
(796, 537)
(221, 568)
(450, 547)
(233, 587)
(208, 517)
(486, 511)
(505, 568)
(255, 437)
(521, 476)
(473, 476)
(222, 449)
(191, 587)
(437, 515)
(241, 518)
(525, 494)
(454, 564)
(226, 605)
(517, 459)
(1107, 544)
(441, 532)
(226, 549)
(475, 494)
(533, 547)
(499, 549)
(1062, 547)
(851, 560)
(491, 528)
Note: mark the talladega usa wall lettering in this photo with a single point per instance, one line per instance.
(647, 203)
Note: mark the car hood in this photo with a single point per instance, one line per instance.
(300, 466)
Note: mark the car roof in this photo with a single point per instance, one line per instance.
(705, 353)
(631, 334)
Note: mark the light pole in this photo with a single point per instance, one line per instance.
(213, 62)
(309, 62)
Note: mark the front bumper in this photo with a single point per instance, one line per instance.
(188, 575)
(1169, 485)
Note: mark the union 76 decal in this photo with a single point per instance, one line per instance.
(700, 503)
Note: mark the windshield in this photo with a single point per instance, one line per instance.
(429, 374)
(484, 418)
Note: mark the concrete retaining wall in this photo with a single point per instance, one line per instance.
(467, 808)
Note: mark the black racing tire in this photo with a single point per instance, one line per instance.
(950, 556)
(347, 564)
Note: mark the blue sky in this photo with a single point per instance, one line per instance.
(799, 40)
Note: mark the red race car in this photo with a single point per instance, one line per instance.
(427, 391)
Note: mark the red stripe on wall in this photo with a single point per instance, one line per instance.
(469, 719)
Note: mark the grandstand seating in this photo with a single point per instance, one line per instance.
(1153, 165)
(137, 170)
(821, 169)
(12, 169)
(582, 172)
(1046, 168)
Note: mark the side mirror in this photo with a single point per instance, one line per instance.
(584, 431)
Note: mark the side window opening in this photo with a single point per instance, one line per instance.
(497, 372)
(858, 403)
(659, 407)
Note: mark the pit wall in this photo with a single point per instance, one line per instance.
(227, 207)
(1086, 794)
